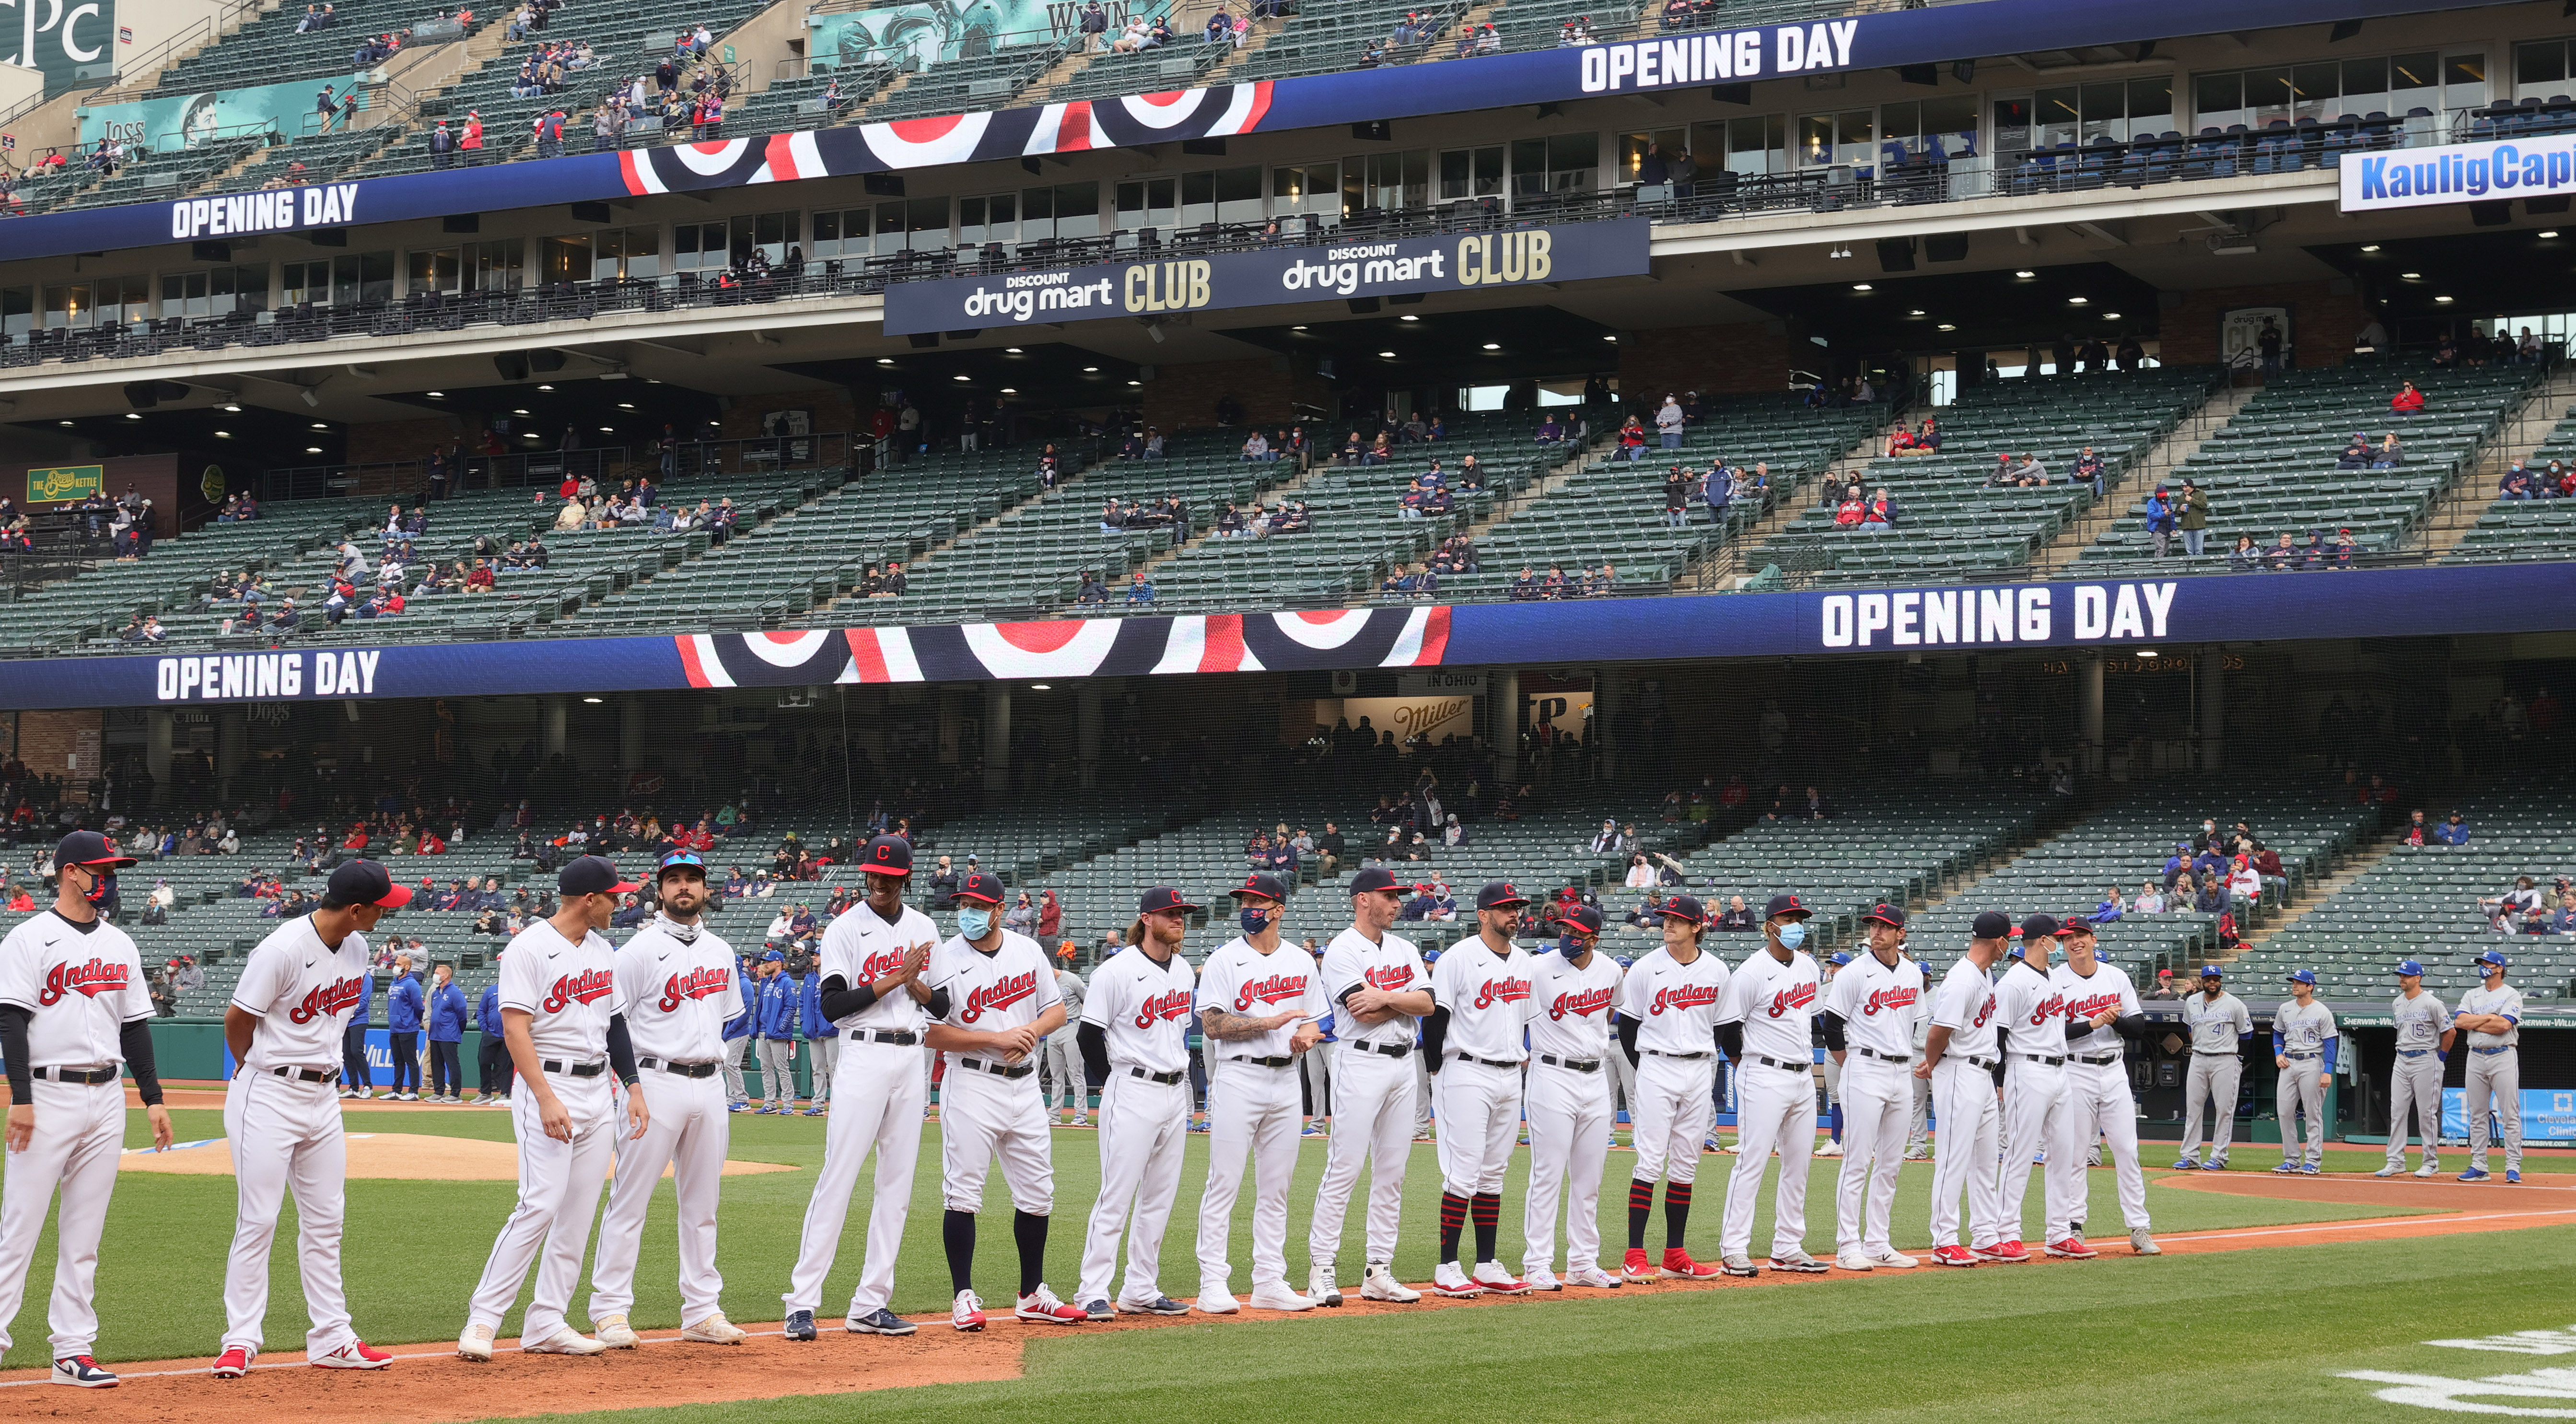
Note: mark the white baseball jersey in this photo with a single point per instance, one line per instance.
(2031, 1009)
(303, 992)
(80, 983)
(2217, 1026)
(1776, 1003)
(1488, 999)
(2107, 988)
(2420, 1020)
(1570, 1007)
(996, 992)
(861, 949)
(1878, 1005)
(1675, 1005)
(2303, 1030)
(1390, 966)
(1143, 1008)
(2506, 1001)
(679, 992)
(1966, 1007)
(568, 990)
(1242, 980)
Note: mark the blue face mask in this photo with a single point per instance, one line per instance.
(1255, 921)
(974, 924)
(1793, 934)
(1573, 948)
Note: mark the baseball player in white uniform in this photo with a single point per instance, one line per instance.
(676, 978)
(73, 1007)
(1918, 1126)
(2424, 1034)
(1868, 1021)
(282, 1115)
(1959, 1058)
(2491, 1015)
(1768, 1029)
(2101, 1010)
(2218, 1024)
(1475, 1042)
(1063, 1057)
(1135, 1037)
(874, 996)
(1570, 1110)
(1379, 990)
(2030, 1022)
(566, 1028)
(1668, 1007)
(1258, 1006)
(1000, 999)
(2303, 1050)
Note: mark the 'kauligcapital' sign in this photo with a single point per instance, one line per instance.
(1453, 262)
(2459, 173)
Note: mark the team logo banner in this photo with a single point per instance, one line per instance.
(2459, 173)
(1451, 262)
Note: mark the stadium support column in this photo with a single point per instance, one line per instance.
(1503, 725)
(232, 747)
(630, 732)
(2088, 701)
(997, 737)
(556, 709)
(1604, 737)
(1086, 731)
(157, 728)
(2212, 677)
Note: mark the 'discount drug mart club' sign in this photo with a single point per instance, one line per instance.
(1451, 262)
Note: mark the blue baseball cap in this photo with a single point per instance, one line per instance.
(1626, 963)
(772, 954)
(1841, 958)
(2303, 976)
(2493, 957)
(2211, 971)
(2407, 967)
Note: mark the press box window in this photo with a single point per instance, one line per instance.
(1469, 173)
(1564, 163)
(218, 291)
(1148, 202)
(841, 233)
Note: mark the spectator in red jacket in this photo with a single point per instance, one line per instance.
(2407, 401)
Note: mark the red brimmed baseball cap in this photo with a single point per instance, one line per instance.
(1685, 907)
(1372, 880)
(1163, 899)
(981, 886)
(1888, 915)
(90, 849)
(592, 875)
(1268, 887)
(363, 882)
(1786, 905)
(1499, 894)
(1581, 919)
(2075, 924)
(887, 855)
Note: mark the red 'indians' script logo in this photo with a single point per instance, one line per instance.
(994, 997)
(1686, 996)
(2088, 1007)
(1162, 1008)
(325, 1000)
(1583, 1005)
(589, 986)
(696, 984)
(1888, 999)
(88, 980)
(1985, 1011)
(1796, 996)
(2048, 1008)
(1387, 978)
(1502, 991)
(1275, 989)
(877, 966)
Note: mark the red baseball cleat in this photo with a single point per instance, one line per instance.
(1679, 1265)
(233, 1363)
(1637, 1267)
(1953, 1256)
(2073, 1249)
(2005, 1253)
(356, 1355)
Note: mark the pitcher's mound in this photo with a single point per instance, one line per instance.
(398, 1156)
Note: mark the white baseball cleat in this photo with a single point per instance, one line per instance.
(1541, 1279)
(2144, 1244)
(1275, 1295)
(1798, 1261)
(1851, 1259)
(1830, 1149)
(1322, 1288)
(2429, 1169)
(565, 1341)
(967, 1311)
(615, 1333)
(1889, 1257)
(475, 1344)
(1498, 1281)
(1449, 1279)
(1592, 1277)
(1380, 1284)
(1216, 1300)
(1043, 1306)
(1736, 1263)
(714, 1330)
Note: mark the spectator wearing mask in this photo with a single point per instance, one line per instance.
(2407, 401)
(2193, 516)
(2161, 521)
(404, 1003)
(446, 1030)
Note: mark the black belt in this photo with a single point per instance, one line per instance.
(2204, 1053)
(996, 1069)
(90, 1076)
(1166, 1079)
(2412, 1052)
(1391, 1050)
(1885, 1057)
(1276, 1061)
(2499, 1048)
(577, 1070)
(1685, 1057)
(1781, 1063)
(900, 1037)
(1579, 1065)
(308, 1075)
(1974, 1061)
(2056, 1062)
(1487, 1062)
(2298, 1056)
(2099, 1062)
(684, 1070)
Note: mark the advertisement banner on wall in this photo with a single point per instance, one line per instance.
(2459, 173)
(189, 120)
(929, 33)
(1434, 718)
(2548, 1117)
(65, 40)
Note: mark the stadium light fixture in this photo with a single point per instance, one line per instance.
(545, 388)
(2077, 301)
(1408, 318)
(317, 425)
(132, 416)
(1946, 326)
(2025, 273)
(2412, 276)
(1386, 355)
(236, 409)
(65, 422)
(435, 395)
(1038, 687)
(2553, 232)
(2370, 247)
(2110, 316)
(1011, 351)
(1493, 346)
(885, 360)
(520, 411)
(1296, 328)
(2442, 300)
(1918, 311)
(1861, 287)
(593, 701)
(626, 405)
(309, 449)
(608, 430)
(961, 378)
(1612, 339)
(1135, 383)
(1091, 370)
(1010, 390)
(223, 435)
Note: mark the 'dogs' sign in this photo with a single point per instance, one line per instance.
(1394, 267)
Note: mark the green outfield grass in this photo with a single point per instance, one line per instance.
(414, 1248)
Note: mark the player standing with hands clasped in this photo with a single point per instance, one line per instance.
(1959, 1058)
(1768, 1030)
(2424, 1035)
(2303, 1049)
(567, 1032)
(2491, 1015)
(2219, 1024)
(1868, 1023)
(2101, 1009)
(1135, 1039)
(73, 1006)
(873, 995)
(676, 979)
(1475, 1043)
(1257, 1006)
(282, 1114)
(1570, 1111)
(1668, 1008)
(2030, 1019)
(1378, 987)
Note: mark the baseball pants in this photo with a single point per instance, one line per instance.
(1066, 1089)
(1623, 1076)
(1423, 1106)
(1570, 1114)
(1918, 1125)
(80, 1129)
(2297, 1091)
(559, 1186)
(493, 1067)
(688, 1132)
(1373, 1126)
(882, 1111)
(1254, 1110)
(2211, 1086)
(736, 1090)
(1963, 1094)
(1669, 1118)
(1319, 1079)
(1833, 1089)
(986, 1116)
(355, 1070)
(1144, 1134)
(2098, 1106)
(1876, 1095)
(777, 1071)
(2034, 1100)
(1480, 1123)
(822, 1061)
(285, 1135)
(2496, 1078)
(1775, 1107)
(2415, 1083)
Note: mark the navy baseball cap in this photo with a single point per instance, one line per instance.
(681, 859)
(981, 886)
(1499, 894)
(363, 882)
(1582, 919)
(592, 875)
(2079, 923)
(1993, 924)
(1888, 915)
(91, 849)
(1159, 900)
(2211, 971)
(887, 855)
(1373, 879)
(2038, 927)
(2408, 966)
(1785, 905)
(2303, 976)
(1268, 887)
(2493, 957)
(1684, 907)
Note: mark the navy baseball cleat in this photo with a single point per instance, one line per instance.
(82, 1372)
(1159, 1305)
(1099, 1309)
(879, 1321)
(800, 1325)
